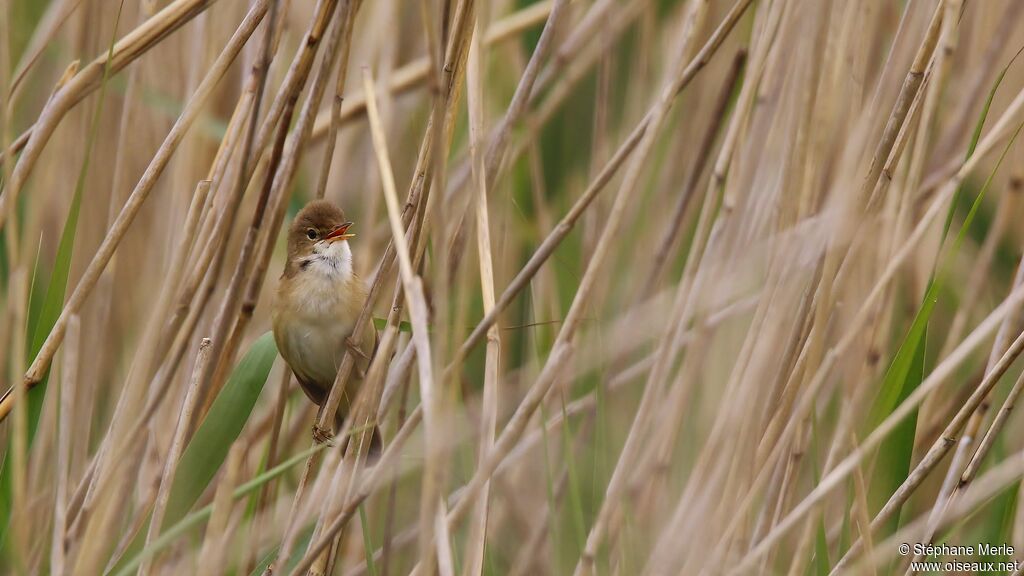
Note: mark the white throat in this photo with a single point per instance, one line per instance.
(332, 259)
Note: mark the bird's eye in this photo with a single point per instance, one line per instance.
(311, 234)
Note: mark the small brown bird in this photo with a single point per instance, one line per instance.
(318, 300)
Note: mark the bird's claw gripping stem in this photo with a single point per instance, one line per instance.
(322, 435)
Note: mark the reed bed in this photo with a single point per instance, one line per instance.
(660, 286)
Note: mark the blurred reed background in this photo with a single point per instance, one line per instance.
(680, 286)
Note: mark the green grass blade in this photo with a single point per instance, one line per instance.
(822, 564)
(38, 328)
(368, 548)
(894, 455)
(293, 561)
(907, 369)
(209, 447)
(40, 324)
(976, 136)
(895, 377)
(187, 522)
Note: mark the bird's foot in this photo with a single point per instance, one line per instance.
(322, 435)
(351, 344)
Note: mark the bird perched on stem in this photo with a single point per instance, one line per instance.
(318, 300)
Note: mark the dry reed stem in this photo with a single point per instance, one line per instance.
(937, 376)
(413, 74)
(369, 481)
(122, 426)
(177, 447)
(1000, 131)
(286, 169)
(948, 438)
(413, 201)
(415, 300)
(841, 470)
(474, 555)
(575, 67)
(835, 255)
(993, 482)
(69, 383)
(562, 347)
(57, 13)
(342, 28)
(358, 432)
(340, 35)
(693, 277)
(139, 194)
(674, 228)
(339, 90)
(212, 553)
(560, 353)
(16, 306)
(763, 343)
(377, 474)
(18, 292)
(134, 44)
(962, 462)
(566, 224)
(652, 392)
(987, 441)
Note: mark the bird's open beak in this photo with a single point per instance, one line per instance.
(340, 233)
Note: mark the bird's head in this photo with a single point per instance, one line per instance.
(318, 239)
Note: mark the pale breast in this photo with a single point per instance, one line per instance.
(313, 316)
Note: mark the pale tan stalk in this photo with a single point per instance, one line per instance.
(974, 464)
(213, 551)
(999, 132)
(963, 464)
(139, 194)
(474, 555)
(937, 376)
(177, 447)
(418, 191)
(18, 295)
(670, 237)
(339, 35)
(144, 365)
(13, 340)
(57, 13)
(565, 225)
(377, 476)
(412, 289)
(563, 345)
(339, 91)
(69, 383)
(642, 417)
(845, 467)
(835, 254)
(987, 487)
(413, 74)
(369, 482)
(125, 430)
(952, 431)
(134, 44)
